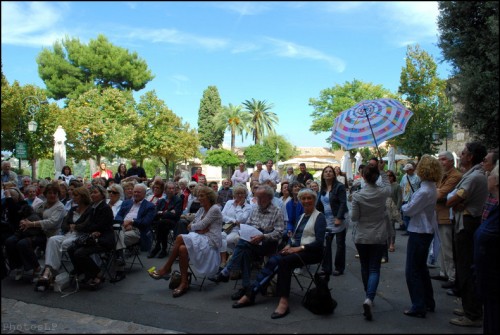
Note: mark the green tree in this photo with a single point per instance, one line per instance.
(16, 113)
(211, 136)
(332, 101)
(99, 123)
(162, 134)
(221, 157)
(259, 152)
(286, 149)
(72, 68)
(469, 41)
(425, 94)
(235, 119)
(263, 120)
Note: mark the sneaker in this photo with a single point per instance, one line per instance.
(357, 255)
(384, 260)
(459, 312)
(464, 321)
(219, 277)
(367, 309)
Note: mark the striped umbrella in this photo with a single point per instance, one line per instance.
(369, 123)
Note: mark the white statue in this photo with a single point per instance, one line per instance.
(59, 150)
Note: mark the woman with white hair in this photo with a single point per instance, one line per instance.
(116, 196)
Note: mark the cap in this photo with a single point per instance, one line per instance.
(408, 167)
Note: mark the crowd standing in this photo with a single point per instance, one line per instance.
(448, 212)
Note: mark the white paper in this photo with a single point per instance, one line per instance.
(247, 232)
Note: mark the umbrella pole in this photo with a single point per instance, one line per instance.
(376, 145)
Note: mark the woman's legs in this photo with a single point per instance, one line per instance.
(167, 268)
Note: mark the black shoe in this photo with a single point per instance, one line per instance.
(440, 278)
(337, 273)
(277, 315)
(238, 295)
(120, 261)
(403, 228)
(219, 277)
(405, 234)
(153, 252)
(162, 254)
(448, 284)
(120, 275)
(414, 314)
(243, 304)
(452, 292)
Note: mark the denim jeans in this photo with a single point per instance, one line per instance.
(417, 274)
(370, 256)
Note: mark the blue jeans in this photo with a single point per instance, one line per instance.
(243, 254)
(417, 274)
(370, 256)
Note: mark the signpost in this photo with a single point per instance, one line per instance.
(21, 152)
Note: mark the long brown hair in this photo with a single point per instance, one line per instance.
(324, 187)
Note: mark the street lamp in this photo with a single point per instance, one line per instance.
(33, 104)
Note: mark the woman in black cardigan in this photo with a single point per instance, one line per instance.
(100, 228)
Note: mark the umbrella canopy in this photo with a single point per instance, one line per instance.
(359, 161)
(391, 161)
(397, 158)
(346, 165)
(369, 123)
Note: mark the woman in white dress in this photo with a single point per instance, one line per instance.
(200, 247)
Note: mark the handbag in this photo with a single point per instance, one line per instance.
(175, 279)
(85, 240)
(227, 227)
(319, 298)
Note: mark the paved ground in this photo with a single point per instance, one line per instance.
(139, 304)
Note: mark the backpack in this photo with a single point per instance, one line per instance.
(319, 298)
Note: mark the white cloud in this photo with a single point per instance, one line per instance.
(32, 24)
(180, 82)
(244, 8)
(177, 37)
(291, 50)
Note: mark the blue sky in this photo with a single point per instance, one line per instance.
(281, 52)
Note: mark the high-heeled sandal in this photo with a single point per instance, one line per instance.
(179, 291)
(44, 280)
(157, 276)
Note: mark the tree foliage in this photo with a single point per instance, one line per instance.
(286, 149)
(72, 68)
(99, 123)
(426, 97)
(211, 135)
(221, 157)
(236, 120)
(332, 101)
(263, 120)
(162, 134)
(469, 41)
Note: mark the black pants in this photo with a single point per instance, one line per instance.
(82, 261)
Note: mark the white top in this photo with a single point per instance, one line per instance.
(239, 177)
(265, 175)
(422, 209)
(232, 213)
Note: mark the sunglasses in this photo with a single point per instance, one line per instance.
(192, 186)
(113, 192)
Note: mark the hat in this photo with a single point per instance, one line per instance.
(408, 167)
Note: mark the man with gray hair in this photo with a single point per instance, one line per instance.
(268, 219)
(7, 173)
(451, 177)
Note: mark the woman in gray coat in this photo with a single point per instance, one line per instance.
(368, 210)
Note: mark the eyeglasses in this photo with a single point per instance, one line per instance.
(113, 192)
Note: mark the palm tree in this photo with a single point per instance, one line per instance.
(262, 120)
(234, 118)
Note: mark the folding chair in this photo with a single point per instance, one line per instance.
(134, 251)
(325, 262)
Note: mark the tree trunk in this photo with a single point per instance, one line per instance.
(233, 140)
(33, 168)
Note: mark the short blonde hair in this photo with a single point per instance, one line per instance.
(209, 192)
(429, 169)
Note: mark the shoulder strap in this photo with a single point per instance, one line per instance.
(409, 182)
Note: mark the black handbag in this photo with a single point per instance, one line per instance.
(85, 240)
(319, 299)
